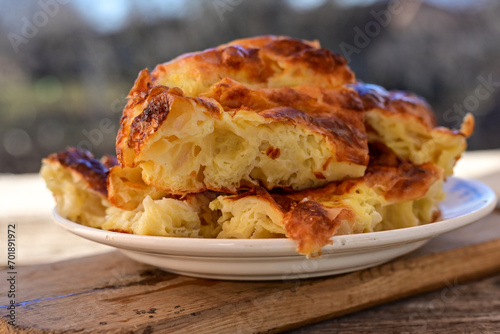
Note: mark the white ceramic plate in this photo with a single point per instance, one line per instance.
(276, 259)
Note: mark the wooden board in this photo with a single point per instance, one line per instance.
(109, 293)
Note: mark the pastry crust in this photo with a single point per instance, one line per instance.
(235, 137)
(233, 98)
(390, 187)
(259, 62)
(407, 125)
(84, 167)
(265, 137)
(78, 183)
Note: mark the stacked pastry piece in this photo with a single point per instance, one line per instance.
(264, 137)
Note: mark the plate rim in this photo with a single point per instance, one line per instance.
(279, 247)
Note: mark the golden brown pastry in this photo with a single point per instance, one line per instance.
(126, 189)
(293, 138)
(265, 137)
(78, 183)
(259, 62)
(392, 189)
(393, 193)
(406, 124)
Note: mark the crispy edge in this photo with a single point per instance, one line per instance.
(86, 167)
(399, 180)
(137, 95)
(395, 102)
(261, 58)
(149, 121)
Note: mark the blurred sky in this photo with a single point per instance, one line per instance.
(109, 16)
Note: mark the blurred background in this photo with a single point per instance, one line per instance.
(66, 66)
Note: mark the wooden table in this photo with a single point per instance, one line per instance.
(452, 307)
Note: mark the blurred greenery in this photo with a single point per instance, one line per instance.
(60, 81)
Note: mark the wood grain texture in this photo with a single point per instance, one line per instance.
(460, 308)
(109, 293)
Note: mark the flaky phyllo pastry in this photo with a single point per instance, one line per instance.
(266, 137)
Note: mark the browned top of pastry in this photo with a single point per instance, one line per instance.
(264, 61)
(82, 163)
(395, 102)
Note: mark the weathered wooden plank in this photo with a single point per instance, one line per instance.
(110, 293)
(114, 294)
(459, 308)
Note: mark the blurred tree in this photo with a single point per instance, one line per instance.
(70, 76)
